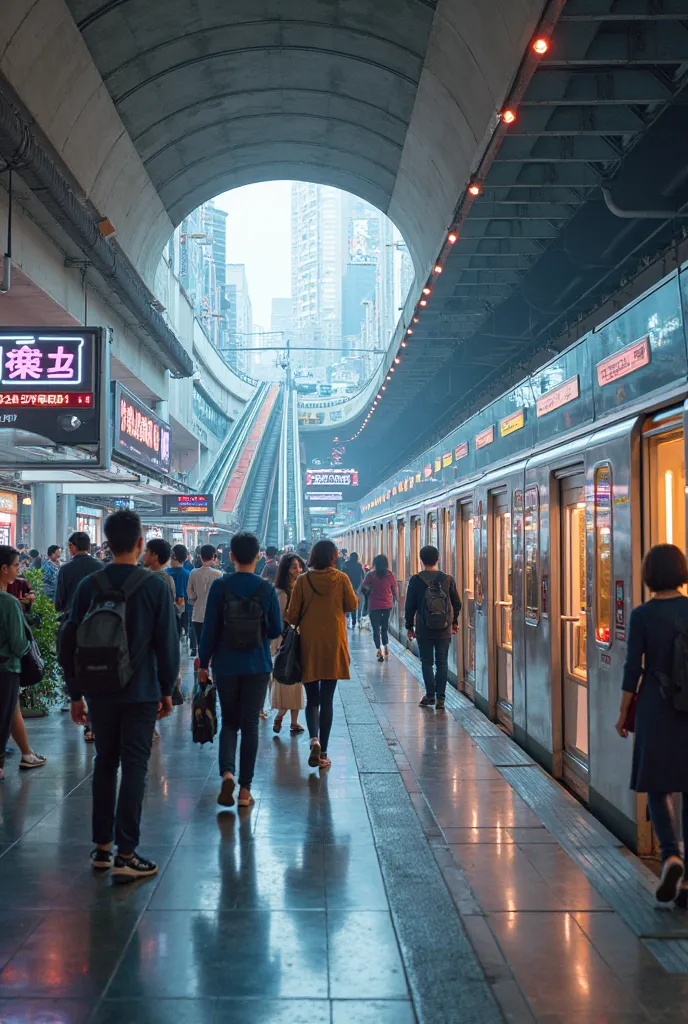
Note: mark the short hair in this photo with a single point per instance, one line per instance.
(381, 565)
(429, 555)
(123, 531)
(664, 568)
(7, 555)
(245, 547)
(272, 551)
(180, 553)
(161, 548)
(353, 557)
(323, 555)
(207, 552)
(80, 540)
(34, 552)
(52, 549)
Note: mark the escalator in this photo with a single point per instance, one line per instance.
(290, 489)
(261, 488)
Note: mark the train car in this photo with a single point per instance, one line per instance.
(542, 505)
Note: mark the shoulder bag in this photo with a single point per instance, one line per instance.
(287, 665)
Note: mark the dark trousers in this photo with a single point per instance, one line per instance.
(191, 632)
(379, 620)
(663, 817)
(435, 652)
(9, 692)
(123, 735)
(197, 630)
(320, 709)
(241, 701)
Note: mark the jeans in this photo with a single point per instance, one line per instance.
(9, 691)
(241, 701)
(437, 651)
(123, 735)
(197, 630)
(319, 710)
(663, 817)
(379, 620)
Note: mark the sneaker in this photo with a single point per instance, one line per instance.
(379, 656)
(427, 702)
(177, 697)
(102, 859)
(131, 868)
(32, 760)
(672, 873)
(226, 795)
(440, 704)
(681, 898)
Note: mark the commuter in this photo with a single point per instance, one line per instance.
(432, 614)
(155, 557)
(70, 575)
(180, 575)
(241, 617)
(657, 635)
(260, 564)
(200, 582)
(22, 590)
(286, 697)
(341, 560)
(36, 560)
(323, 596)
(51, 567)
(271, 564)
(354, 570)
(123, 717)
(13, 646)
(380, 587)
(198, 561)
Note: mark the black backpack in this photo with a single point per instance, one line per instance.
(204, 713)
(245, 622)
(436, 610)
(675, 687)
(102, 661)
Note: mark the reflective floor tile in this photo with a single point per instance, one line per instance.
(182, 954)
(364, 956)
(352, 878)
(461, 836)
(502, 878)
(156, 1011)
(554, 865)
(15, 928)
(45, 1011)
(377, 1012)
(272, 1011)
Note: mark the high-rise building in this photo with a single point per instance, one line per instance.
(239, 314)
(202, 256)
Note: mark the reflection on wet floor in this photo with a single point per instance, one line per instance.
(297, 909)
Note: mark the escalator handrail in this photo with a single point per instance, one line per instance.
(215, 480)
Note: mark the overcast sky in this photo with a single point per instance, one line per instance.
(259, 235)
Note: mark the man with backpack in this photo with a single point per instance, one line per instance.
(432, 613)
(242, 615)
(271, 564)
(120, 649)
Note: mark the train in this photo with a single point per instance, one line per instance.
(542, 505)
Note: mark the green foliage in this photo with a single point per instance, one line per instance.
(44, 621)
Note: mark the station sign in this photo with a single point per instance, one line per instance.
(139, 434)
(331, 477)
(324, 496)
(626, 360)
(188, 506)
(53, 395)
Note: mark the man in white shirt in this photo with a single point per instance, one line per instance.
(200, 582)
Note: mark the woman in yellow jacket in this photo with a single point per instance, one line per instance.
(320, 601)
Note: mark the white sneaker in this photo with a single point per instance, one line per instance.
(32, 760)
(672, 873)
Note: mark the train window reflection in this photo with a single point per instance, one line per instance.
(531, 526)
(603, 554)
(468, 563)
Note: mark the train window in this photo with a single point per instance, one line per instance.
(390, 543)
(432, 529)
(415, 545)
(446, 554)
(603, 554)
(668, 474)
(468, 582)
(478, 554)
(531, 528)
(401, 550)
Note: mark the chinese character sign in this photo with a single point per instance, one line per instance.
(38, 361)
(139, 433)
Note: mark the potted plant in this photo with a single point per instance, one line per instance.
(44, 622)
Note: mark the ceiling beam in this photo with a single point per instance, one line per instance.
(647, 41)
(564, 149)
(633, 86)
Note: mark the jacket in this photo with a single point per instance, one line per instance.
(50, 571)
(324, 596)
(226, 661)
(415, 595)
(200, 582)
(354, 570)
(270, 570)
(70, 576)
(150, 624)
(13, 642)
(382, 591)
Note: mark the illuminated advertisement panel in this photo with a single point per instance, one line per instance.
(139, 433)
(187, 506)
(623, 362)
(331, 477)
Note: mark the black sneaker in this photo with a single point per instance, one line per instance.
(102, 859)
(427, 702)
(672, 873)
(681, 898)
(440, 704)
(131, 868)
(177, 697)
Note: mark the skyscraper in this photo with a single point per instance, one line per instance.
(239, 314)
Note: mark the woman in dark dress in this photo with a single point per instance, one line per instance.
(660, 753)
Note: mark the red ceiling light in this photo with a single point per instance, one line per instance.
(508, 116)
(540, 46)
(474, 189)
(438, 269)
(427, 290)
(423, 302)
(452, 237)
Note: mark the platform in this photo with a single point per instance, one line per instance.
(434, 874)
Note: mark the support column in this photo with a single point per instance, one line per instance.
(66, 523)
(43, 516)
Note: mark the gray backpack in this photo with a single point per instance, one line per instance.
(102, 661)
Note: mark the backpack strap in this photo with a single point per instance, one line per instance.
(133, 582)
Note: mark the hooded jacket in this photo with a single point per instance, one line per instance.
(321, 598)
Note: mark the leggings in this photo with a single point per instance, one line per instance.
(379, 620)
(319, 710)
(663, 817)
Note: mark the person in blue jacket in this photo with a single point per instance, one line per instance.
(241, 608)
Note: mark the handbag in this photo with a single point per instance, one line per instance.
(287, 665)
(32, 665)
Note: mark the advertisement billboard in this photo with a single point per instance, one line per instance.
(53, 396)
(332, 477)
(188, 506)
(138, 433)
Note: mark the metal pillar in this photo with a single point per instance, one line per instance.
(44, 526)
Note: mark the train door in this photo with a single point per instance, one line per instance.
(414, 565)
(574, 665)
(503, 606)
(467, 543)
(665, 479)
(449, 563)
(401, 574)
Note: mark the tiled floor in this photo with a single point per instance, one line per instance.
(301, 909)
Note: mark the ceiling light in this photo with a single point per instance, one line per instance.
(427, 290)
(415, 320)
(397, 360)
(541, 46)
(403, 344)
(508, 116)
(391, 369)
(474, 189)
(452, 237)
(423, 302)
(388, 377)
(384, 387)
(410, 330)
(438, 270)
